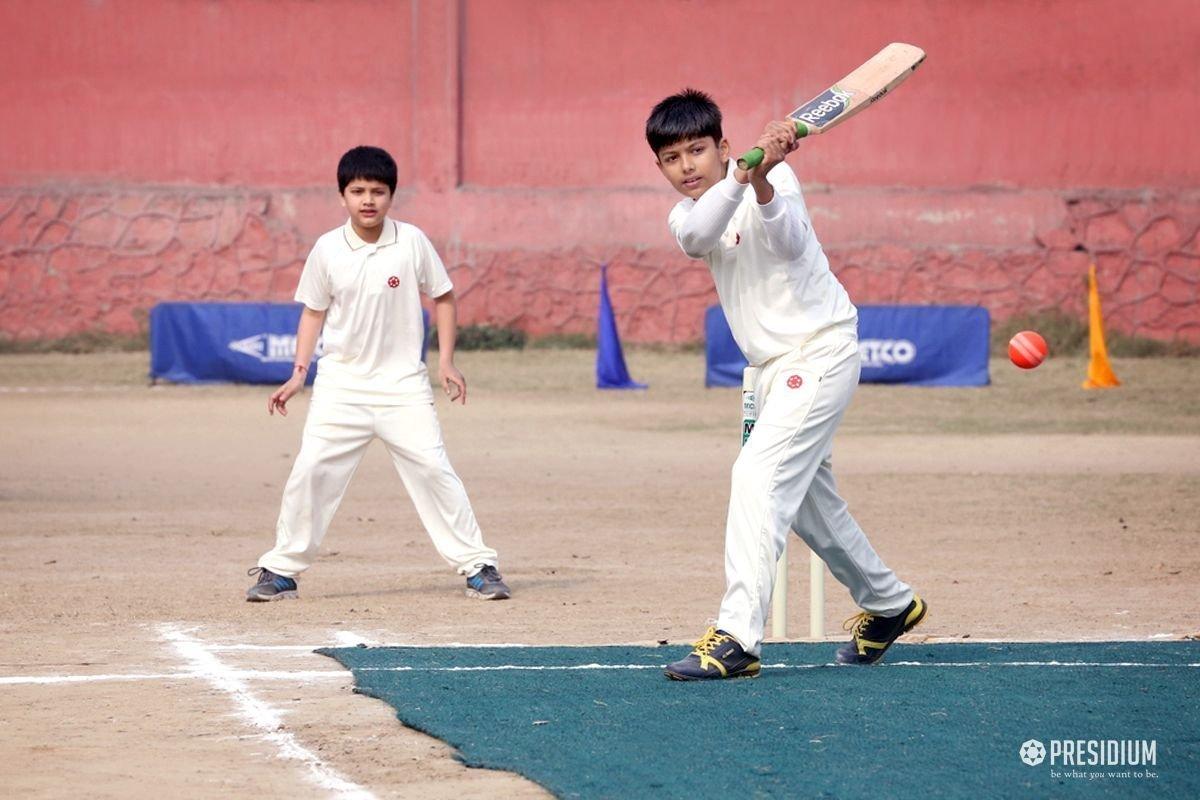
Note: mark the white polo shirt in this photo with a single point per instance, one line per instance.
(373, 325)
(772, 277)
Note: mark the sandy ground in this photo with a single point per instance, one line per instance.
(129, 514)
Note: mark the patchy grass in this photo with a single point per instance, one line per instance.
(564, 341)
(483, 337)
(78, 343)
(667, 348)
(1067, 335)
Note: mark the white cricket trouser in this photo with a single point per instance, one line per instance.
(783, 480)
(336, 436)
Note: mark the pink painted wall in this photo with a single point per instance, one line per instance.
(174, 149)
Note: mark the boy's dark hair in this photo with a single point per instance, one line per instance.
(691, 114)
(368, 164)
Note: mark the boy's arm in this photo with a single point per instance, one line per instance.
(445, 314)
(783, 222)
(785, 225)
(703, 227)
(701, 230)
(307, 332)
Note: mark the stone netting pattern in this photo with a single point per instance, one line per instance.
(99, 260)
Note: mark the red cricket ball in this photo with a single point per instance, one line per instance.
(1027, 349)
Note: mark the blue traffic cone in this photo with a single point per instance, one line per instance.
(611, 372)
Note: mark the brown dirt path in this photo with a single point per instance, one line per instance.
(128, 514)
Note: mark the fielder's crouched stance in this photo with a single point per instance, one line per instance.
(362, 283)
(795, 322)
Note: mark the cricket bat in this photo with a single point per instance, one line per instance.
(886, 70)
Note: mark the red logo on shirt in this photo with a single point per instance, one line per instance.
(795, 382)
(393, 281)
(737, 238)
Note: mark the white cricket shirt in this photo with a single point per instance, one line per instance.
(772, 277)
(373, 326)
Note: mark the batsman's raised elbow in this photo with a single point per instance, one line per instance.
(693, 249)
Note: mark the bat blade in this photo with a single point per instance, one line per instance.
(883, 72)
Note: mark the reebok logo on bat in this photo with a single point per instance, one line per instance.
(826, 107)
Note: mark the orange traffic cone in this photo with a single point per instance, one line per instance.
(1099, 374)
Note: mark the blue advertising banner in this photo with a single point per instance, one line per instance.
(226, 342)
(723, 359)
(924, 345)
(919, 345)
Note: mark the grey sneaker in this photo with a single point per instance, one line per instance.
(270, 586)
(487, 585)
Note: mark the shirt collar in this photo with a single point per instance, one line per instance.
(388, 235)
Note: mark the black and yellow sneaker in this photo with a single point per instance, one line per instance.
(717, 655)
(874, 634)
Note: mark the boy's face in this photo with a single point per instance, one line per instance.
(367, 201)
(693, 165)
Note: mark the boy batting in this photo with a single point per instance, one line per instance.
(796, 324)
(362, 284)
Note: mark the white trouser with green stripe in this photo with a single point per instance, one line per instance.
(783, 480)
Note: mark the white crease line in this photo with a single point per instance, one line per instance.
(497, 645)
(933, 639)
(348, 639)
(243, 674)
(501, 645)
(340, 639)
(354, 640)
(258, 714)
(1033, 664)
(15, 680)
(308, 675)
(954, 664)
(307, 648)
(517, 667)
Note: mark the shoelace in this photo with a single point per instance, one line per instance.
(858, 623)
(709, 641)
(264, 575)
(489, 574)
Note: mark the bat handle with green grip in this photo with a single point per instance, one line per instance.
(752, 158)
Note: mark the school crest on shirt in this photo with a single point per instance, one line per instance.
(393, 281)
(795, 381)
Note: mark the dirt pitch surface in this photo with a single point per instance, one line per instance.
(131, 667)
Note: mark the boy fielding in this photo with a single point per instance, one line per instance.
(362, 283)
(795, 322)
